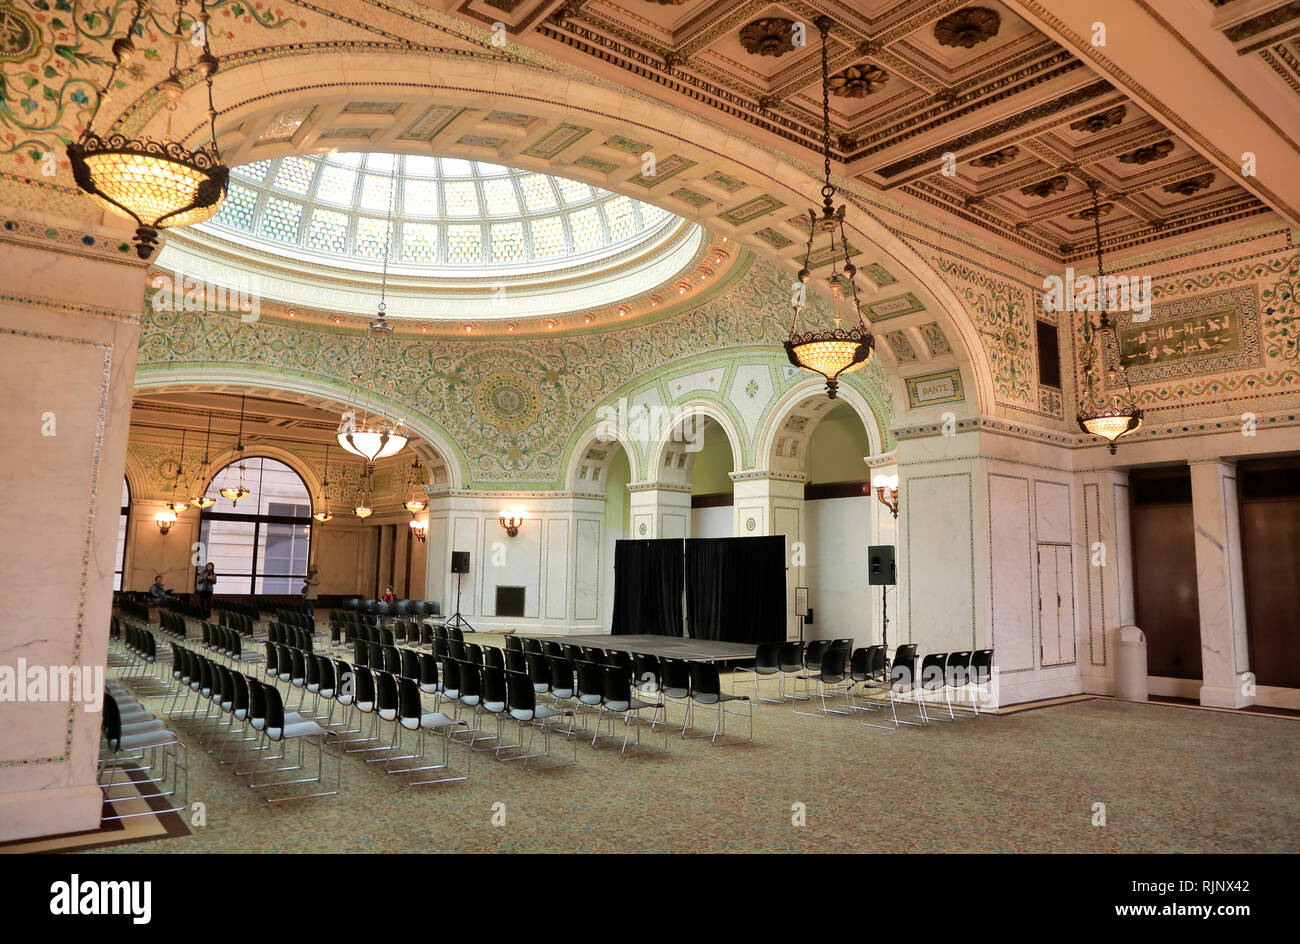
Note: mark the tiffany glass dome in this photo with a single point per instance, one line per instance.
(448, 214)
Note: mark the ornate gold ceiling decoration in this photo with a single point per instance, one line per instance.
(1191, 185)
(1045, 188)
(770, 36)
(1100, 121)
(1090, 213)
(968, 27)
(997, 158)
(1149, 153)
(858, 81)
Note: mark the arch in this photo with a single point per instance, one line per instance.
(257, 85)
(780, 448)
(326, 392)
(585, 470)
(228, 457)
(679, 418)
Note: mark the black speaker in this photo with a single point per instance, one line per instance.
(880, 565)
(460, 562)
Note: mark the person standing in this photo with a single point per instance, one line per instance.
(311, 590)
(204, 585)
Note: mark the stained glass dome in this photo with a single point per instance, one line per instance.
(447, 213)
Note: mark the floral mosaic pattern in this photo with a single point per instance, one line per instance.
(1004, 313)
(510, 407)
(54, 55)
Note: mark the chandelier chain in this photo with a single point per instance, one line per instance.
(119, 49)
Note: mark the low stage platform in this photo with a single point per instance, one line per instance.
(665, 647)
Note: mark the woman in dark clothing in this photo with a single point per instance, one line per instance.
(207, 580)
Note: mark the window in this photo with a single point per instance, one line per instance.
(123, 522)
(1049, 355)
(261, 543)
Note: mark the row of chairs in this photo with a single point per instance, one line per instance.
(907, 679)
(147, 755)
(299, 618)
(229, 699)
(240, 607)
(240, 622)
(387, 687)
(696, 686)
(172, 623)
(416, 608)
(228, 643)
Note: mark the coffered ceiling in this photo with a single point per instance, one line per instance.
(966, 107)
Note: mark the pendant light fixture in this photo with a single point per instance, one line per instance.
(198, 491)
(365, 506)
(414, 489)
(235, 493)
(324, 514)
(158, 184)
(836, 351)
(176, 507)
(367, 429)
(1107, 416)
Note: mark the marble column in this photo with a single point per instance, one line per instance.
(69, 331)
(1225, 660)
(765, 503)
(659, 510)
(1106, 556)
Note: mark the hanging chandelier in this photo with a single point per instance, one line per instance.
(1107, 416)
(324, 514)
(158, 184)
(835, 351)
(235, 493)
(174, 506)
(367, 429)
(365, 505)
(414, 503)
(198, 489)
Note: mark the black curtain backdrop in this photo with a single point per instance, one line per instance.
(648, 587)
(735, 588)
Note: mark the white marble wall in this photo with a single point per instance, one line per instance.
(556, 557)
(1219, 585)
(68, 339)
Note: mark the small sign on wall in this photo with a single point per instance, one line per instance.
(929, 389)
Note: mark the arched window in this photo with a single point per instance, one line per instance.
(123, 521)
(260, 543)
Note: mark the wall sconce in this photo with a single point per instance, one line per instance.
(418, 530)
(887, 485)
(165, 520)
(512, 519)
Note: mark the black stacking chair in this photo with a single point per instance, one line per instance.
(900, 685)
(411, 716)
(706, 693)
(526, 712)
(539, 671)
(617, 698)
(831, 681)
(590, 690)
(790, 662)
(979, 682)
(767, 662)
(675, 685)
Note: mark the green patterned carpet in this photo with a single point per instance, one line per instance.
(1172, 780)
